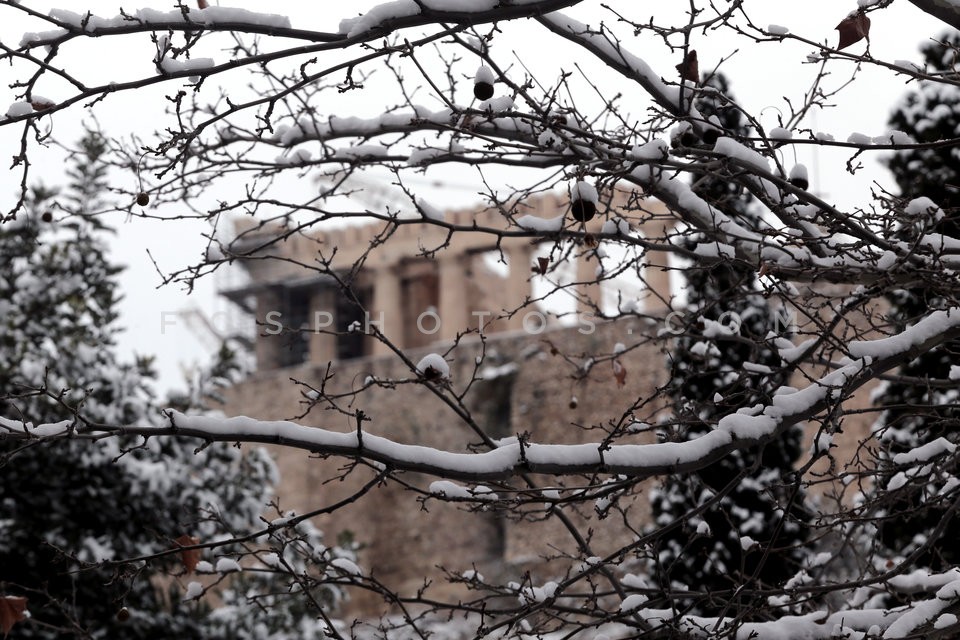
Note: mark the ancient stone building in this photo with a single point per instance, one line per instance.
(428, 290)
(422, 284)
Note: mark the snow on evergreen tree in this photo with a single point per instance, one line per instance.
(750, 525)
(72, 511)
(925, 405)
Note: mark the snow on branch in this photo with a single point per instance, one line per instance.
(379, 21)
(744, 429)
(613, 54)
(73, 24)
(400, 14)
(417, 119)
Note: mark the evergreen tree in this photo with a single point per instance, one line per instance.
(728, 324)
(917, 412)
(70, 508)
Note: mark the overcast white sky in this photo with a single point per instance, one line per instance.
(762, 76)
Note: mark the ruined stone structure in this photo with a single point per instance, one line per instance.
(421, 272)
(523, 379)
(416, 268)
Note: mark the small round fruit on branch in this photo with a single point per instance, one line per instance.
(683, 135)
(583, 201)
(483, 83)
(798, 177)
(583, 210)
(689, 138)
(143, 199)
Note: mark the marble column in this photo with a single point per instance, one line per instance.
(323, 343)
(657, 276)
(387, 313)
(519, 287)
(267, 343)
(588, 292)
(454, 300)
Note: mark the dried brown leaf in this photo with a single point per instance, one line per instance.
(189, 557)
(619, 373)
(13, 609)
(690, 69)
(853, 28)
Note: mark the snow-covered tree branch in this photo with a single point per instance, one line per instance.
(709, 396)
(755, 426)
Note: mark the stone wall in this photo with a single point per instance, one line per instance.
(527, 389)
(530, 385)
